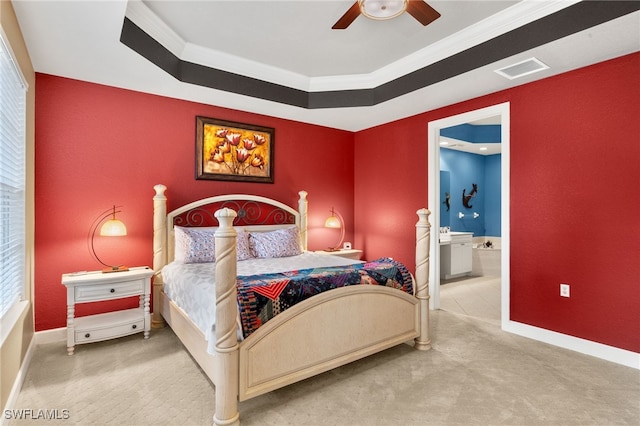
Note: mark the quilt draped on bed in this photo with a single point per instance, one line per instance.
(262, 297)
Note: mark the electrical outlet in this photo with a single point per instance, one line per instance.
(564, 290)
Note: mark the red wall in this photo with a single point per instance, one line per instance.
(575, 197)
(574, 204)
(97, 146)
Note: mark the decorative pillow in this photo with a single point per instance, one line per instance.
(280, 243)
(194, 245)
(242, 246)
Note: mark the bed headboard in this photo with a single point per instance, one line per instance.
(255, 213)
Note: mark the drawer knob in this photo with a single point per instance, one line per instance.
(134, 326)
(113, 290)
(86, 336)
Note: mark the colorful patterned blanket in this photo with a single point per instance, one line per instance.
(262, 297)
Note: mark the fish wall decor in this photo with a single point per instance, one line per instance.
(467, 197)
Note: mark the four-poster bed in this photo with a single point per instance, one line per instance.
(315, 335)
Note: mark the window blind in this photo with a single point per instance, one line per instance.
(12, 179)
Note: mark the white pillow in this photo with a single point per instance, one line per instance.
(194, 245)
(280, 243)
(197, 245)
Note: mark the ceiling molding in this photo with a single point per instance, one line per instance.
(81, 40)
(520, 14)
(563, 22)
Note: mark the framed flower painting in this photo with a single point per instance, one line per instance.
(226, 150)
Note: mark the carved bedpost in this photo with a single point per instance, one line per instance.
(159, 251)
(303, 208)
(423, 342)
(226, 360)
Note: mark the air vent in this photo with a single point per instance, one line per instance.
(526, 67)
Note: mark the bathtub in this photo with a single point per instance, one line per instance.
(486, 261)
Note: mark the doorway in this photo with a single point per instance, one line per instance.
(435, 197)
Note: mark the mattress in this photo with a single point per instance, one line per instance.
(192, 286)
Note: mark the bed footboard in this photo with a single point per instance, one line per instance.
(323, 333)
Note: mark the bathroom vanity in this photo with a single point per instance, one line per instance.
(456, 255)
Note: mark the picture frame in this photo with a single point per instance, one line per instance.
(231, 151)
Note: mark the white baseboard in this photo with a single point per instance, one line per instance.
(587, 347)
(51, 336)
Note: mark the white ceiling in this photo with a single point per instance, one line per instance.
(471, 148)
(296, 36)
(291, 43)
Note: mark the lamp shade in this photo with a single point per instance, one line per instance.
(382, 9)
(332, 222)
(113, 228)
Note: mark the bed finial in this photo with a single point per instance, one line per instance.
(160, 188)
(225, 217)
(423, 234)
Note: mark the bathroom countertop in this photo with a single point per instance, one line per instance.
(445, 238)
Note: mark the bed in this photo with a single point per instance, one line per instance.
(297, 343)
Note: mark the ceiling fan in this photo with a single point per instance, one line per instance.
(387, 9)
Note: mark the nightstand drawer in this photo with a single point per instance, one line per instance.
(94, 335)
(98, 292)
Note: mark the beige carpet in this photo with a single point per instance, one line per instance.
(475, 374)
(477, 297)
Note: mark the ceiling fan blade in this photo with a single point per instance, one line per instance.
(420, 10)
(347, 18)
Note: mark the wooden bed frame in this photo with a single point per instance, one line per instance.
(280, 352)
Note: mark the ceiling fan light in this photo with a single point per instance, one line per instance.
(382, 9)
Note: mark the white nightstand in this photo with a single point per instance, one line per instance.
(83, 287)
(348, 253)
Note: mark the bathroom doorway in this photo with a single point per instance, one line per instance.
(436, 197)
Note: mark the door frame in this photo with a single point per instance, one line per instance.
(503, 110)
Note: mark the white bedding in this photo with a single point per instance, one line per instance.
(192, 286)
